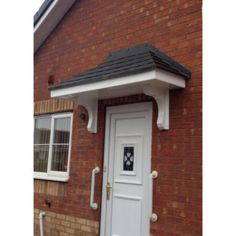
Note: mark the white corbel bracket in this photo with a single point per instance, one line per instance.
(161, 96)
(159, 93)
(92, 108)
(91, 105)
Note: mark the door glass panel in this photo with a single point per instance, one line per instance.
(128, 159)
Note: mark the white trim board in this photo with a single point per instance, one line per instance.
(156, 76)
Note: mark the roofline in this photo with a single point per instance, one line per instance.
(47, 17)
(43, 8)
(163, 77)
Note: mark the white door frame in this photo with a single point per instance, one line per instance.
(136, 107)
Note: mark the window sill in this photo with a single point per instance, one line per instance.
(44, 176)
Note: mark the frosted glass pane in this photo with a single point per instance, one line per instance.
(41, 158)
(62, 130)
(42, 130)
(59, 158)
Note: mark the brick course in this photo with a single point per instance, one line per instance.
(86, 35)
(62, 225)
(52, 106)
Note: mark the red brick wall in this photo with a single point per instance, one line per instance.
(86, 35)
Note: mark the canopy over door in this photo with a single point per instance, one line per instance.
(139, 69)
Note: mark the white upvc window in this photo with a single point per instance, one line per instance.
(52, 146)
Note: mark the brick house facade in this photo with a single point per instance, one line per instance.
(89, 31)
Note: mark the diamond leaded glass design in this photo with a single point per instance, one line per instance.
(128, 159)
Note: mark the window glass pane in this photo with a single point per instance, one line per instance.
(42, 130)
(59, 157)
(62, 130)
(41, 158)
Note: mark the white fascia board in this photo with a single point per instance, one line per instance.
(46, 15)
(175, 81)
(49, 21)
(152, 76)
(111, 83)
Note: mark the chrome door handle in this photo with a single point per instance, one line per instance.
(109, 188)
(93, 205)
(153, 216)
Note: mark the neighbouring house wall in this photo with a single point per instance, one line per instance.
(85, 36)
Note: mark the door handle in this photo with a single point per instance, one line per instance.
(93, 205)
(108, 187)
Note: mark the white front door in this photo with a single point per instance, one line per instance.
(127, 161)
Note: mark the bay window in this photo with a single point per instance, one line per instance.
(52, 142)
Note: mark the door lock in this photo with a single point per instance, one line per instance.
(108, 187)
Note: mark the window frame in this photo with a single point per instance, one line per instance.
(55, 175)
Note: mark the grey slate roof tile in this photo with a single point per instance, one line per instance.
(133, 60)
